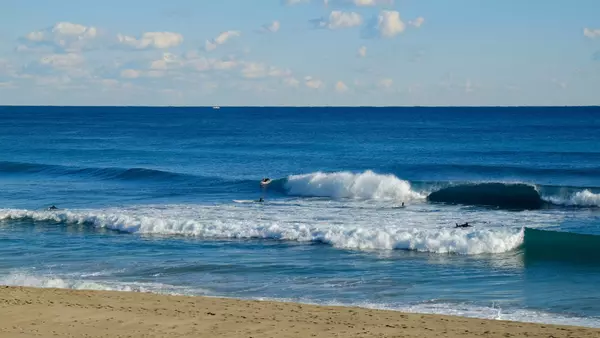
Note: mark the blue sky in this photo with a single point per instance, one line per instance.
(300, 52)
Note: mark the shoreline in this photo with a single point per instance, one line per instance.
(46, 312)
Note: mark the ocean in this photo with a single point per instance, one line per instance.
(164, 200)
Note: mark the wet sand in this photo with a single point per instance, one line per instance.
(32, 312)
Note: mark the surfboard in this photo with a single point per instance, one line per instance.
(265, 183)
(248, 201)
(245, 201)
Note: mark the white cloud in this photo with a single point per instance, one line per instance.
(58, 82)
(372, 2)
(417, 22)
(158, 40)
(341, 87)
(358, 3)
(272, 27)
(339, 19)
(64, 35)
(201, 64)
(62, 61)
(389, 23)
(591, 33)
(253, 70)
(130, 73)
(182, 67)
(362, 51)
(295, 2)
(313, 83)
(35, 36)
(291, 81)
(221, 39)
(224, 64)
(168, 61)
(209, 45)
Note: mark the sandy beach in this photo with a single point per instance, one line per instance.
(32, 312)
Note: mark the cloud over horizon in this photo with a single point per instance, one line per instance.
(362, 52)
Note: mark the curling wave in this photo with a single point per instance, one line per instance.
(512, 196)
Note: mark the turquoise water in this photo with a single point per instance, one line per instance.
(162, 200)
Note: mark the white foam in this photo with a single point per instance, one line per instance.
(353, 229)
(493, 312)
(584, 198)
(28, 279)
(366, 185)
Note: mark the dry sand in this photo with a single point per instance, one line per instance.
(31, 312)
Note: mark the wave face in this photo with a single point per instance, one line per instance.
(561, 246)
(511, 196)
(367, 186)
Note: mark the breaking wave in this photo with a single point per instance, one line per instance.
(584, 198)
(434, 240)
(536, 244)
(366, 185)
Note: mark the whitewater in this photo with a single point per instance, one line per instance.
(362, 208)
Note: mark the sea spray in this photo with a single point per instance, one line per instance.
(366, 185)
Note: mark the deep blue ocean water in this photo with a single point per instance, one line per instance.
(164, 200)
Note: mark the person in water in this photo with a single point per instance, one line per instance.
(466, 225)
(260, 200)
(52, 208)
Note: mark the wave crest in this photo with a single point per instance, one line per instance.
(366, 185)
(584, 198)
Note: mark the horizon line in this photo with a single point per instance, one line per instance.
(295, 106)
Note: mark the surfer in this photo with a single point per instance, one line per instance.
(265, 181)
(399, 206)
(466, 225)
(52, 208)
(260, 200)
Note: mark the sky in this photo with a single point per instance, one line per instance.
(300, 52)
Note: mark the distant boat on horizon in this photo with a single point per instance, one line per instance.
(216, 107)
